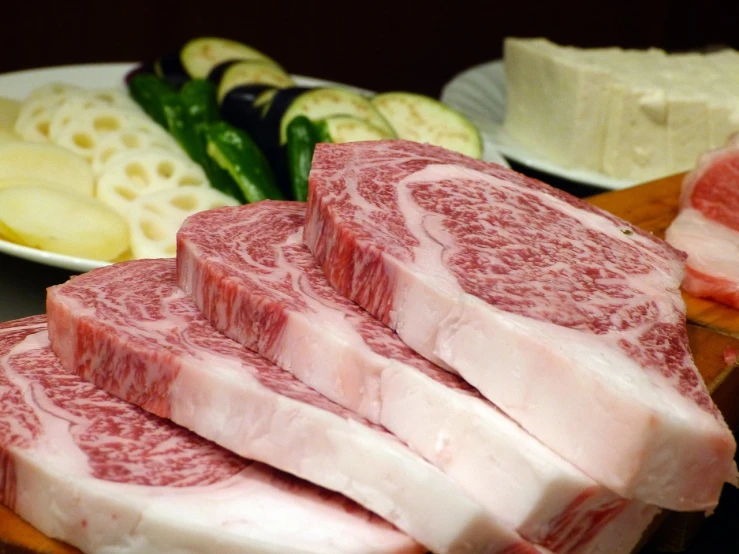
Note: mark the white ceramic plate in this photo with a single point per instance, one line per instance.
(19, 84)
(480, 94)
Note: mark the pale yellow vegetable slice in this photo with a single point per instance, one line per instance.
(63, 222)
(155, 218)
(7, 135)
(30, 182)
(38, 109)
(57, 89)
(139, 172)
(34, 118)
(115, 98)
(9, 109)
(83, 130)
(253, 72)
(128, 139)
(102, 103)
(30, 160)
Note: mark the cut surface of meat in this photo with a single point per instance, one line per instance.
(707, 226)
(566, 317)
(103, 475)
(255, 280)
(129, 329)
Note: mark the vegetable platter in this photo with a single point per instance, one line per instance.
(215, 123)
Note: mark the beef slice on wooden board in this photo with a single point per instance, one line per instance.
(707, 226)
(129, 329)
(87, 468)
(653, 206)
(250, 273)
(566, 317)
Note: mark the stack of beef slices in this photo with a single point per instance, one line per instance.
(707, 225)
(482, 361)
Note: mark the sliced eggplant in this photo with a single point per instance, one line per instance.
(169, 67)
(346, 128)
(199, 56)
(216, 74)
(314, 104)
(252, 72)
(320, 103)
(264, 101)
(275, 112)
(242, 107)
(268, 135)
(423, 119)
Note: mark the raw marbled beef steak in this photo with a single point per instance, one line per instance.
(129, 329)
(257, 282)
(707, 226)
(566, 317)
(87, 468)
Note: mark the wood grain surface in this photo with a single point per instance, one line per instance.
(713, 331)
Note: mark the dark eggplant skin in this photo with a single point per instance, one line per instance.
(277, 108)
(216, 74)
(270, 141)
(238, 108)
(169, 67)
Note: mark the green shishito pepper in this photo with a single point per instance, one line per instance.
(302, 137)
(148, 90)
(165, 106)
(235, 151)
(199, 99)
(185, 114)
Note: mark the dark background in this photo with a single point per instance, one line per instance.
(379, 45)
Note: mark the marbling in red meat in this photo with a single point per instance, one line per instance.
(566, 317)
(103, 475)
(129, 329)
(259, 284)
(707, 226)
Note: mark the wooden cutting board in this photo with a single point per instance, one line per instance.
(713, 333)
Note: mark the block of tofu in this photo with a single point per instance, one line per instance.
(635, 112)
(554, 102)
(630, 114)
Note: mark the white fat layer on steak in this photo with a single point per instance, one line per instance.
(246, 404)
(625, 403)
(702, 229)
(438, 319)
(341, 351)
(435, 245)
(712, 248)
(57, 489)
(251, 510)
